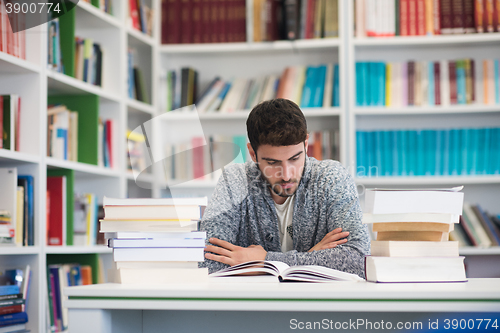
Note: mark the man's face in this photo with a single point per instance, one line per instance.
(281, 167)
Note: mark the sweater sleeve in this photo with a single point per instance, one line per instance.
(222, 216)
(343, 211)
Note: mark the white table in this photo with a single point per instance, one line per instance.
(258, 304)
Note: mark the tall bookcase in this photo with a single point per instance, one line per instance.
(36, 84)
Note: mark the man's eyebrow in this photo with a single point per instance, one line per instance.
(273, 160)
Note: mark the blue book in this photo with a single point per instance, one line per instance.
(131, 80)
(378, 143)
(13, 318)
(495, 151)
(487, 149)
(308, 88)
(461, 85)
(381, 78)
(481, 148)
(473, 152)
(403, 158)
(419, 161)
(464, 147)
(372, 83)
(387, 148)
(9, 290)
(395, 153)
(445, 153)
(371, 163)
(336, 88)
(359, 84)
(142, 14)
(454, 162)
(319, 86)
(431, 88)
(27, 182)
(497, 83)
(365, 84)
(361, 170)
(412, 153)
(430, 144)
(437, 153)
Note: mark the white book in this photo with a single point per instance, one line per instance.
(299, 84)
(445, 82)
(284, 272)
(478, 227)
(269, 89)
(148, 226)
(327, 93)
(229, 104)
(203, 105)
(479, 92)
(202, 201)
(156, 243)
(414, 249)
(156, 235)
(155, 264)
(415, 269)
(424, 77)
(491, 82)
(158, 254)
(411, 217)
(8, 200)
(391, 22)
(360, 18)
(382, 201)
(159, 276)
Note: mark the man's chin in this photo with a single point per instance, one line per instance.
(284, 193)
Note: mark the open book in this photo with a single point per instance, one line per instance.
(286, 273)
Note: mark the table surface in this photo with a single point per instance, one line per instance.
(266, 288)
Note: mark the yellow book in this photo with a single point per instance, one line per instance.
(388, 84)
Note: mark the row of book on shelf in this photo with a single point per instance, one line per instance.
(308, 86)
(88, 61)
(141, 16)
(428, 152)
(72, 222)
(105, 6)
(136, 84)
(13, 43)
(382, 18)
(60, 276)
(155, 239)
(16, 208)
(477, 227)
(203, 21)
(421, 83)
(63, 134)
(15, 288)
(10, 113)
(291, 20)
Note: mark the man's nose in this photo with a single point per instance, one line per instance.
(287, 172)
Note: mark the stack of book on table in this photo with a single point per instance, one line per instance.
(155, 240)
(413, 229)
(14, 296)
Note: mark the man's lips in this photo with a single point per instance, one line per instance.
(287, 185)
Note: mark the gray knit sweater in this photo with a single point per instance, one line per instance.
(242, 212)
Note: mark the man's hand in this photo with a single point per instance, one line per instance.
(230, 254)
(331, 240)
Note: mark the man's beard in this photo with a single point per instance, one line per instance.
(279, 191)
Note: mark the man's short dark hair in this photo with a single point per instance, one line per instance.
(277, 122)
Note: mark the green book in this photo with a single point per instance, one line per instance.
(67, 41)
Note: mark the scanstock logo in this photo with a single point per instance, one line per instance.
(26, 14)
(174, 147)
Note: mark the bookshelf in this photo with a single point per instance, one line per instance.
(36, 84)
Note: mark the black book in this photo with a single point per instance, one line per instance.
(98, 74)
(137, 85)
(291, 18)
(184, 86)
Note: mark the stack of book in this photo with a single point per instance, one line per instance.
(14, 296)
(413, 229)
(381, 18)
(155, 240)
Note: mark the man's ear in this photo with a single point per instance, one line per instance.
(306, 145)
(252, 152)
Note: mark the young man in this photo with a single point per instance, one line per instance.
(284, 205)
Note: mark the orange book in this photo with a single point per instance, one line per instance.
(86, 272)
(281, 88)
(479, 15)
(429, 17)
(485, 81)
(318, 148)
(497, 15)
(412, 17)
(488, 15)
(421, 17)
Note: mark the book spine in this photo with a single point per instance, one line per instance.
(421, 17)
(411, 83)
(429, 17)
(436, 13)
(457, 12)
(452, 70)
(446, 17)
(403, 17)
(412, 18)
(488, 15)
(469, 24)
(437, 83)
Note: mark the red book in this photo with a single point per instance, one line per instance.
(222, 21)
(134, 14)
(57, 219)
(446, 17)
(457, 17)
(214, 17)
(318, 149)
(403, 18)
(241, 18)
(437, 17)
(420, 17)
(205, 21)
(437, 83)
(479, 15)
(311, 5)
(186, 21)
(1, 121)
(411, 83)
(452, 65)
(197, 21)
(412, 17)
(171, 21)
(198, 170)
(109, 140)
(468, 16)
(11, 309)
(231, 22)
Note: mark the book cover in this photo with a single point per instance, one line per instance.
(447, 16)
(27, 182)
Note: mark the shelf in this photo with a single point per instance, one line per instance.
(19, 250)
(15, 156)
(14, 65)
(96, 18)
(308, 112)
(472, 251)
(140, 37)
(140, 107)
(59, 83)
(304, 44)
(485, 38)
(426, 110)
(428, 180)
(77, 249)
(84, 170)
